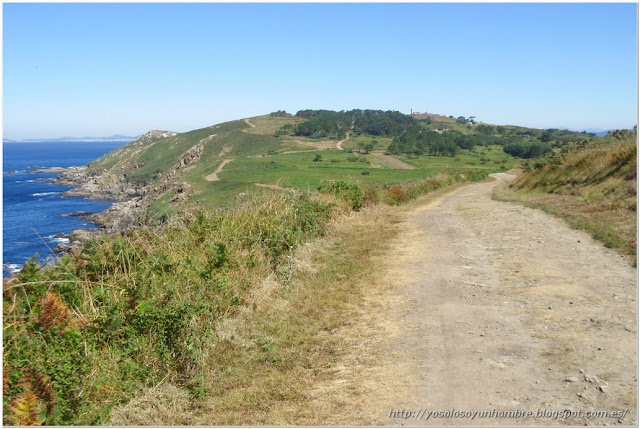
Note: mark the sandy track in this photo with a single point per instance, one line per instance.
(491, 305)
(251, 127)
(394, 162)
(213, 177)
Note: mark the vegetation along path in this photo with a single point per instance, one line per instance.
(489, 305)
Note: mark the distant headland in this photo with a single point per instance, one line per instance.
(113, 138)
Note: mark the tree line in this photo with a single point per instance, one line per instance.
(328, 123)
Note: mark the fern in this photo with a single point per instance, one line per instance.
(26, 409)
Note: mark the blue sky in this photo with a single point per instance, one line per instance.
(101, 69)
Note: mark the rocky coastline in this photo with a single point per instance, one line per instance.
(117, 219)
(131, 199)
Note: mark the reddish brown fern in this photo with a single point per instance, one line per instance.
(53, 311)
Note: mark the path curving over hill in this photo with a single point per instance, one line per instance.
(490, 305)
(213, 177)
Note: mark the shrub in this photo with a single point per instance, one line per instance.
(350, 192)
(395, 195)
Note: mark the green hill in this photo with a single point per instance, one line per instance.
(168, 171)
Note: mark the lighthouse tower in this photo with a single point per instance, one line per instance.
(412, 110)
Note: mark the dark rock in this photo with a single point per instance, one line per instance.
(593, 379)
(63, 248)
(78, 214)
(49, 170)
(81, 236)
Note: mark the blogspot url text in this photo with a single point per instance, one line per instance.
(425, 414)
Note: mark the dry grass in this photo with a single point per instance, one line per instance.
(163, 405)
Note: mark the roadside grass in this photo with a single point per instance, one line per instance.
(205, 315)
(276, 349)
(594, 188)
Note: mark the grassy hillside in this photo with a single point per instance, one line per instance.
(593, 186)
(176, 170)
(173, 171)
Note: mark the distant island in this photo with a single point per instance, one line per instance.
(113, 138)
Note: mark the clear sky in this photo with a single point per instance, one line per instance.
(101, 69)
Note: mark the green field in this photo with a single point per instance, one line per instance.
(491, 158)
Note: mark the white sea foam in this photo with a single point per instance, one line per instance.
(41, 194)
(12, 268)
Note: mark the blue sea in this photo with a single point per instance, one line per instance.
(31, 210)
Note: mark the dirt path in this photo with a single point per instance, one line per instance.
(213, 177)
(249, 123)
(394, 162)
(490, 306)
(339, 143)
(321, 144)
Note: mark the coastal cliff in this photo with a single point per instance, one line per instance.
(94, 181)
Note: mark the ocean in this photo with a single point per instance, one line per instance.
(31, 210)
